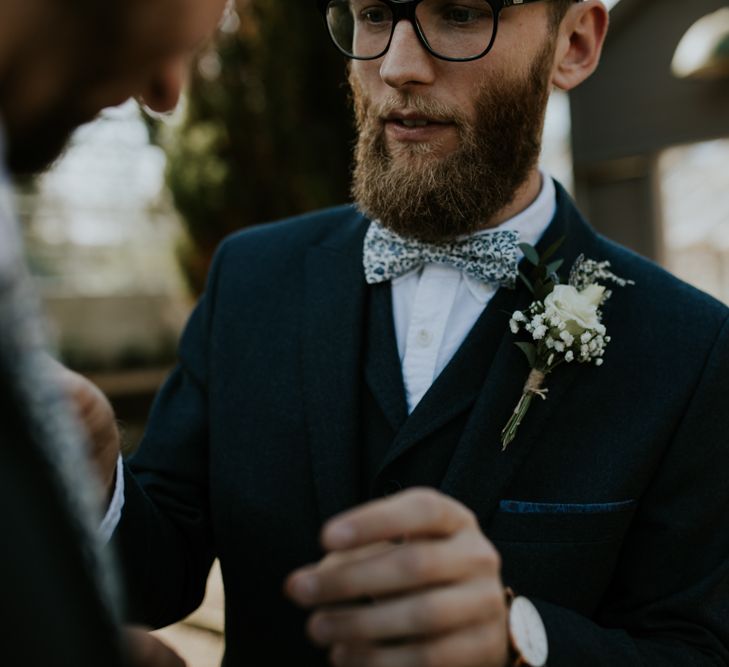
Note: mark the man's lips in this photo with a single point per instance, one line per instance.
(411, 119)
(413, 127)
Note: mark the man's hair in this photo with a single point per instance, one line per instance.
(557, 10)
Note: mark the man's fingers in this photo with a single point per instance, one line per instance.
(410, 566)
(433, 612)
(409, 514)
(338, 558)
(146, 650)
(332, 562)
(481, 645)
(96, 415)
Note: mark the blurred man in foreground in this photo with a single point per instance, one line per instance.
(355, 353)
(61, 62)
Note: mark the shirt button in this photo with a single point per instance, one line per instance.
(425, 338)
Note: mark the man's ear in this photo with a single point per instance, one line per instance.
(579, 43)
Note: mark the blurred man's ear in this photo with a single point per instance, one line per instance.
(580, 38)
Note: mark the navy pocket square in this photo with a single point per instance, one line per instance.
(522, 507)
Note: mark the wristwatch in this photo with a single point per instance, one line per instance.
(527, 635)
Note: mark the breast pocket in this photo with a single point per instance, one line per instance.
(561, 552)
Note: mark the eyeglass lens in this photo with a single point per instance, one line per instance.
(457, 29)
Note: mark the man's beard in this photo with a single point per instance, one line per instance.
(416, 193)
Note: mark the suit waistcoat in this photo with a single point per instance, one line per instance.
(398, 450)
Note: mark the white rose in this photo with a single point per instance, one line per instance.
(577, 309)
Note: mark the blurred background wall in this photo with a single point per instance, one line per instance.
(649, 130)
(121, 231)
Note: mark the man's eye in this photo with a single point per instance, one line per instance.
(462, 14)
(375, 15)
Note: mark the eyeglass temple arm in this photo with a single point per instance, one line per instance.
(511, 3)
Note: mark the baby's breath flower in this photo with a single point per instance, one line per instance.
(566, 326)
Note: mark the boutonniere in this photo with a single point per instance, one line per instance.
(563, 321)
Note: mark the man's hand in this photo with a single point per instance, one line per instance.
(97, 416)
(146, 650)
(409, 581)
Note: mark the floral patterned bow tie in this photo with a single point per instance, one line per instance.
(489, 257)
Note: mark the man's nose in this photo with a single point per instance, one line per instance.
(162, 90)
(407, 62)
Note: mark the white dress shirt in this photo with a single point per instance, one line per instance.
(434, 308)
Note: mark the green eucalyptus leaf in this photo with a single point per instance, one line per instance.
(552, 249)
(530, 253)
(530, 352)
(554, 267)
(527, 282)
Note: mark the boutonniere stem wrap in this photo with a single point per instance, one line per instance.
(564, 323)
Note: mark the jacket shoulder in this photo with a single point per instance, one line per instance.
(329, 227)
(660, 293)
(271, 259)
(657, 295)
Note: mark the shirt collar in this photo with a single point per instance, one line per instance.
(533, 221)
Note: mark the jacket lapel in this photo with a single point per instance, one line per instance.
(382, 362)
(480, 472)
(332, 349)
(461, 382)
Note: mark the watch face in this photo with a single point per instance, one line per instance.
(527, 632)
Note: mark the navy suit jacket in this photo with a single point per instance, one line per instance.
(609, 509)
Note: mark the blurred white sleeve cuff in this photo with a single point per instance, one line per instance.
(113, 514)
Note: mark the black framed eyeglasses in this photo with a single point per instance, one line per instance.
(456, 30)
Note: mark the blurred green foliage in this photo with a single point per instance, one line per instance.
(267, 130)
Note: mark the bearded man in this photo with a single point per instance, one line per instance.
(60, 64)
(355, 368)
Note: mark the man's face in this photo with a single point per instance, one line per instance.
(444, 146)
(89, 55)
